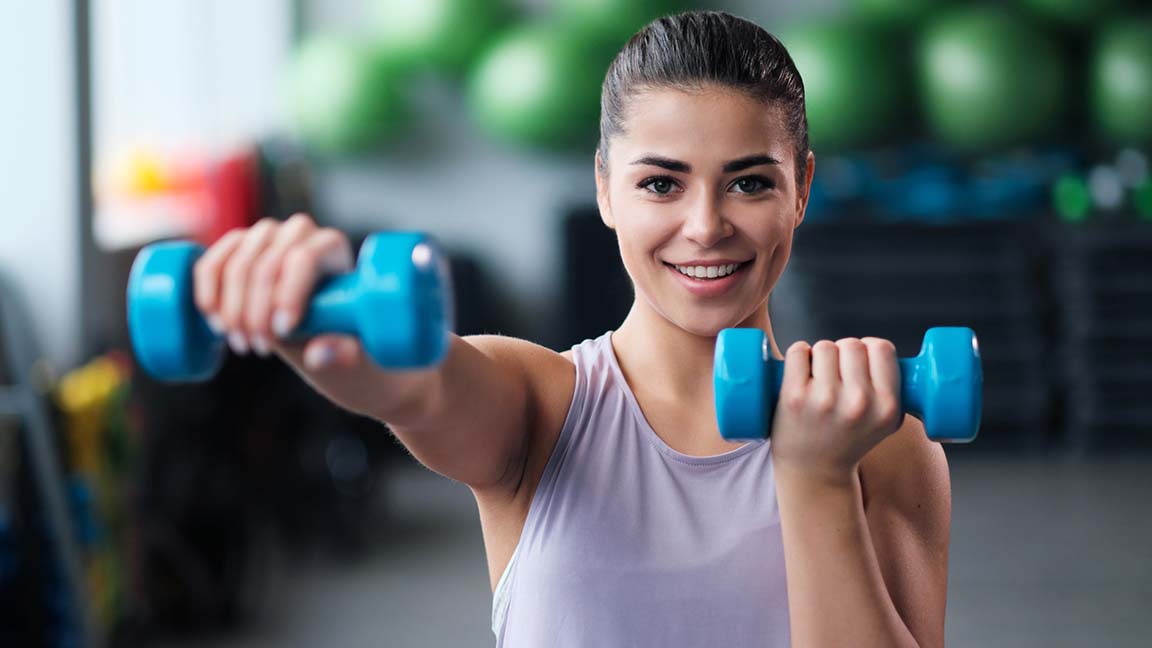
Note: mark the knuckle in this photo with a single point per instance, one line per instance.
(266, 268)
(854, 405)
(798, 347)
(792, 400)
(822, 402)
(300, 257)
(203, 271)
(265, 224)
(880, 344)
(329, 236)
(824, 346)
(888, 411)
(850, 344)
(236, 270)
(300, 219)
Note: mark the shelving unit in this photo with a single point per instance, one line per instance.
(1102, 273)
(895, 281)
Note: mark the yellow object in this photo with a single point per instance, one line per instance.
(84, 396)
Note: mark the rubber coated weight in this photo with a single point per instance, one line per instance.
(942, 386)
(397, 302)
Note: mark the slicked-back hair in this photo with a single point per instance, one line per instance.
(691, 50)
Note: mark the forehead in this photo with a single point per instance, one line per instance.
(709, 124)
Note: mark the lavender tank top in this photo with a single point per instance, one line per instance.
(629, 543)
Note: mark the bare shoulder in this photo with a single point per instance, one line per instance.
(549, 380)
(907, 471)
(544, 370)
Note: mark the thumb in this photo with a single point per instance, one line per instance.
(326, 352)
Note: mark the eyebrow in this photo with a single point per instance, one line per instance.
(732, 166)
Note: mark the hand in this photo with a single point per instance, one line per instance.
(254, 285)
(837, 401)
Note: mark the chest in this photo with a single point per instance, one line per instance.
(690, 428)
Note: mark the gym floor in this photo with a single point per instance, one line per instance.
(1045, 552)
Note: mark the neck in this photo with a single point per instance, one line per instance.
(648, 345)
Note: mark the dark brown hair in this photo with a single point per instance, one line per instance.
(695, 48)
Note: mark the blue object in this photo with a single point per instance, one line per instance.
(942, 386)
(397, 301)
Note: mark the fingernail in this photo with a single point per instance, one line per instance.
(216, 324)
(237, 342)
(260, 345)
(282, 323)
(319, 357)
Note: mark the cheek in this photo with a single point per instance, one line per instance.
(642, 232)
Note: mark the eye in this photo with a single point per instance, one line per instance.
(752, 184)
(660, 185)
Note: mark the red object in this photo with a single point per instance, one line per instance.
(234, 188)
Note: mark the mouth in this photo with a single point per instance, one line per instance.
(709, 272)
(710, 279)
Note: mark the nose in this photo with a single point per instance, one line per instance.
(704, 224)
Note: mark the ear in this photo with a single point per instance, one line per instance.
(602, 201)
(802, 195)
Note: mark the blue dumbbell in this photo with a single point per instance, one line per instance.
(942, 386)
(397, 302)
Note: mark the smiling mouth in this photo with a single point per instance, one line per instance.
(708, 272)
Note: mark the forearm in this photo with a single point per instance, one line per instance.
(463, 418)
(364, 388)
(836, 593)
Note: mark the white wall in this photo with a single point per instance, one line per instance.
(39, 229)
(167, 73)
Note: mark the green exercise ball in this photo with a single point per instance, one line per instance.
(900, 12)
(1122, 81)
(540, 86)
(1070, 12)
(988, 79)
(616, 19)
(444, 34)
(344, 96)
(852, 81)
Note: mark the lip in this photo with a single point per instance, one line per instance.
(710, 287)
(708, 262)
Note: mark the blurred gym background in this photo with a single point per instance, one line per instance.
(980, 164)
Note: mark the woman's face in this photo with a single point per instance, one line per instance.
(701, 190)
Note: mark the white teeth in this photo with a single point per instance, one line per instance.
(708, 272)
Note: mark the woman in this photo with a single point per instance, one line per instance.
(613, 513)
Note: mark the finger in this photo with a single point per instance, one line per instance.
(825, 384)
(326, 251)
(262, 281)
(234, 290)
(884, 369)
(207, 276)
(854, 364)
(856, 382)
(797, 372)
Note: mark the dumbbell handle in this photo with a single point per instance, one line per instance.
(330, 309)
(911, 378)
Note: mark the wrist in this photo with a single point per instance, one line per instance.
(813, 479)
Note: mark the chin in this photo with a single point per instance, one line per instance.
(706, 324)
